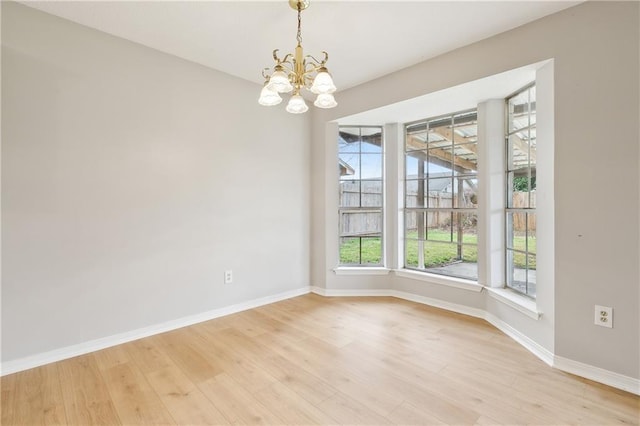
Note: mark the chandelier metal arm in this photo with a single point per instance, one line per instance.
(317, 62)
(285, 60)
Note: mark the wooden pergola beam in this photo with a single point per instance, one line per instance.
(446, 156)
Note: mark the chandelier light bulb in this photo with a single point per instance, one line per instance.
(323, 83)
(297, 105)
(269, 97)
(279, 82)
(325, 100)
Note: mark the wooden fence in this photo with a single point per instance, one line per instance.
(370, 195)
(520, 219)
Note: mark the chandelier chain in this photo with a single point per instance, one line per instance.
(299, 36)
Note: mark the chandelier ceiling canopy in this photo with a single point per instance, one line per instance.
(295, 72)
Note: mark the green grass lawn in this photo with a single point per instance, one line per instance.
(438, 250)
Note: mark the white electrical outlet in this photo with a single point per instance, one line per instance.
(228, 276)
(604, 316)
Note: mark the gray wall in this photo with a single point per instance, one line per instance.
(131, 180)
(595, 47)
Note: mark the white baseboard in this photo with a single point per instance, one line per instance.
(117, 339)
(538, 350)
(331, 292)
(436, 303)
(597, 374)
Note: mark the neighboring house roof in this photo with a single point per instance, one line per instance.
(345, 169)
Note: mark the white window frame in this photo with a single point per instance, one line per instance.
(510, 210)
(342, 210)
(453, 210)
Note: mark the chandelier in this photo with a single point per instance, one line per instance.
(295, 72)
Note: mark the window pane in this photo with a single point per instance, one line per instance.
(509, 230)
(440, 134)
(361, 251)
(439, 225)
(439, 193)
(416, 164)
(518, 153)
(470, 192)
(517, 230)
(440, 162)
(414, 224)
(457, 196)
(451, 260)
(416, 193)
(522, 273)
(371, 251)
(465, 158)
(371, 140)
(532, 146)
(470, 255)
(519, 278)
(468, 223)
(520, 195)
(416, 137)
(411, 253)
(518, 107)
(465, 119)
(349, 139)
(531, 276)
(349, 166)
(532, 243)
(410, 193)
(349, 250)
(371, 166)
(361, 223)
(438, 254)
(465, 128)
(350, 193)
(532, 103)
(371, 193)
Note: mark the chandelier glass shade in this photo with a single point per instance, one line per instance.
(295, 72)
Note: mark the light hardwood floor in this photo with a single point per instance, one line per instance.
(316, 360)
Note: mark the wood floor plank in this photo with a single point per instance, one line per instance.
(86, 398)
(309, 355)
(133, 398)
(317, 329)
(237, 404)
(316, 360)
(37, 398)
(183, 399)
(232, 361)
(408, 414)
(272, 363)
(111, 357)
(8, 403)
(148, 354)
(303, 383)
(348, 411)
(180, 346)
(293, 408)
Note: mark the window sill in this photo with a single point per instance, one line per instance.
(439, 279)
(361, 270)
(516, 301)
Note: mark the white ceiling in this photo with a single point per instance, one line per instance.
(365, 39)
